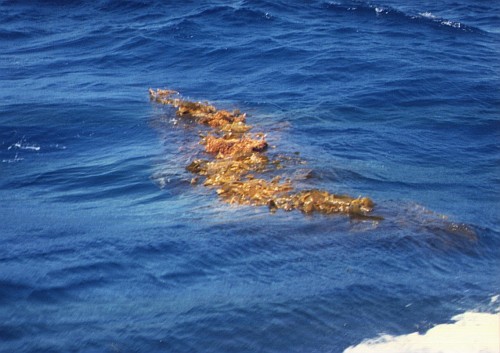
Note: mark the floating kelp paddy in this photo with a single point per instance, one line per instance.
(238, 162)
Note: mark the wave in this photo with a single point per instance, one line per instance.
(425, 17)
(470, 332)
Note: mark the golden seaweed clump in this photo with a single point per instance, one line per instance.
(228, 146)
(325, 202)
(223, 118)
(237, 127)
(164, 96)
(221, 171)
(195, 109)
(205, 113)
(257, 192)
(238, 155)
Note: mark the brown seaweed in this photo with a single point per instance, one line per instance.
(238, 155)
(228, 146)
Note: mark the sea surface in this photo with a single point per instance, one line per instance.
(105, 246)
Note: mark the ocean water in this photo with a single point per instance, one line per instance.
(107, 247)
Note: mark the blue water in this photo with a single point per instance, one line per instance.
(105, 245)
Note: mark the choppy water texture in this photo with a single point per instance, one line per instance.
(106, 247)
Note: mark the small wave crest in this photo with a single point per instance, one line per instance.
(18, 147)
(17, 151)
(21, 145)
(15, 159)
(424, 17)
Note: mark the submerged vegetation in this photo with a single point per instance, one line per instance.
(238, 161)
(238, 167)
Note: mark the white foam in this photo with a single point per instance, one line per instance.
(470, 333)
(21, 146)
(427, 14)
(451, 24)
(15, 159)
